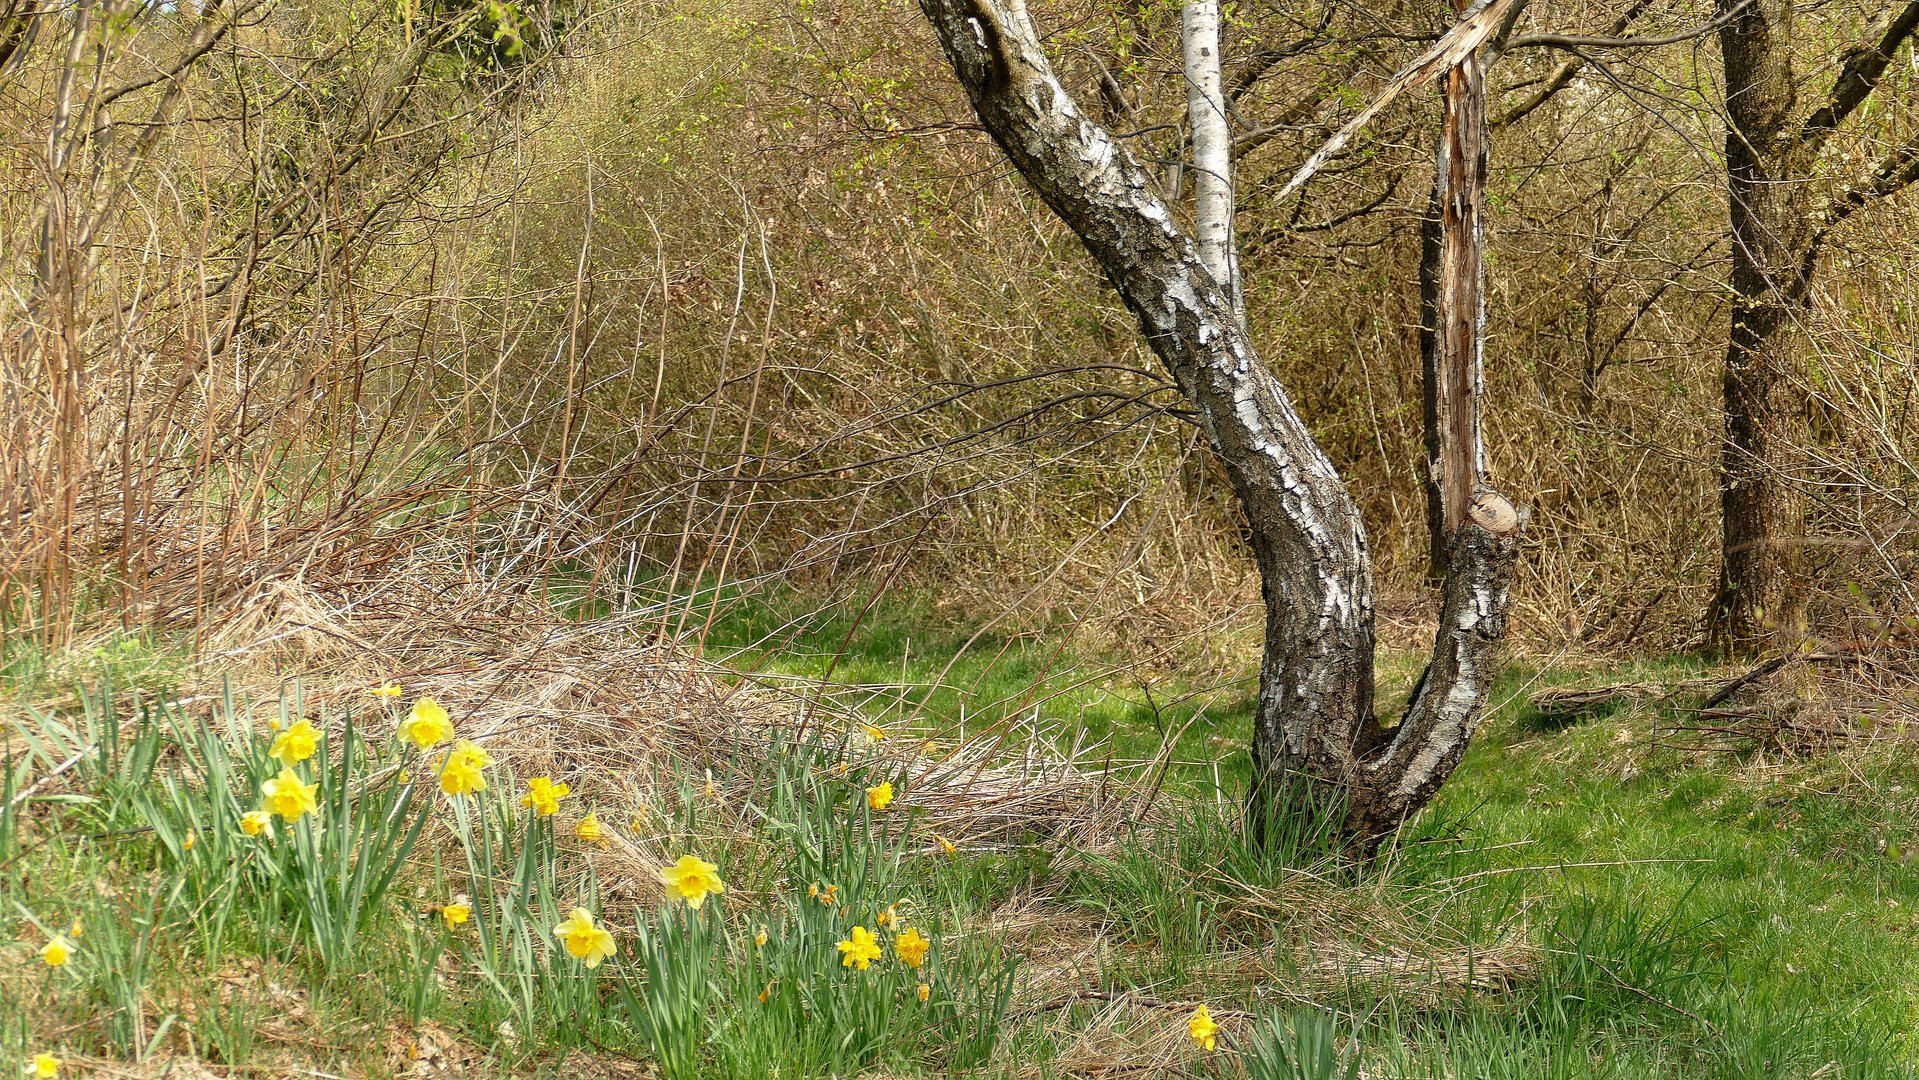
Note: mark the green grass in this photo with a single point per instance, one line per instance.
(1677, 914)
(1739, 913)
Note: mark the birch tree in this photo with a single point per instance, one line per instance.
(1213, 191)
(1319, 751)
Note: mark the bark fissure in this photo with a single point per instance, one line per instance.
(1315, 717)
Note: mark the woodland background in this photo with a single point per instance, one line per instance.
(665, 293)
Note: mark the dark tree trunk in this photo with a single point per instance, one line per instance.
(1768, 177)
(1772, 167)
(1315, 735)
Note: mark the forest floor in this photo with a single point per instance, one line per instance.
(1616, 893)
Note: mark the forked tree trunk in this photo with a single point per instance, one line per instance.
(1315, 737)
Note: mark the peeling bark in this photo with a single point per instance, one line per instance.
(1453, 308)
(1315, 735)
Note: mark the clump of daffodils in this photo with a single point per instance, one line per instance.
(691, 879)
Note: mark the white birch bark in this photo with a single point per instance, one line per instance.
(1318, 749)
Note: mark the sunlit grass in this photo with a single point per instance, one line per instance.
(1648, 911)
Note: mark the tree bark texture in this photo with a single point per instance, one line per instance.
(1768, 174)
(1213, 199)
(1315, 736)
(1772, 165)
(1452, 330)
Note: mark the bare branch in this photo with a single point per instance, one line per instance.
(1465, 38)
(1894, 172)
(1562, 76)
(1864, 63)
(1576, 41)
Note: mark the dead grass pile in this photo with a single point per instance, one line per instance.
(630, 717)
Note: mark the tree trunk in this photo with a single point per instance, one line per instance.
(1315, 737)
(1452, 307)
(1772, 165)
(1213, 200)
(1769, 170)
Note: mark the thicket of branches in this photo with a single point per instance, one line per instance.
(660, 294)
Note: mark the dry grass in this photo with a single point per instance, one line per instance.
(626, 717)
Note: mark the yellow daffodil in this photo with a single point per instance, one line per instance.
(426, 725)
(885, 918)
(387, 692)
(1205, 1033)
(590, 943)
(860, 949)
(880, 797)
(873, 732)
(44, 1067)
(925, 991)
(711, 791)
(257, 823)
(691, 879)
(286, 796)
(768, 992)
(75, 931)
(543, 796)
(463, 769)
(826, 896)
(912, 947)
(760, 938)
(190, 839)
(455, 914)
(947, 847)
(57, 952)
(589, 830)
(295, 744)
